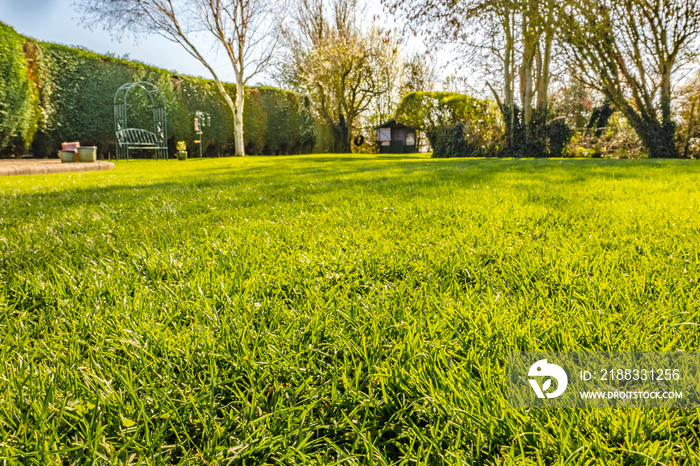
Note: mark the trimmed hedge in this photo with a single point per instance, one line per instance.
(70, 97)
(19, 102)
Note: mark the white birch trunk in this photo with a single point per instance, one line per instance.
(238, 119)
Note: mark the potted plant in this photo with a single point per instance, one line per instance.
(181, 150)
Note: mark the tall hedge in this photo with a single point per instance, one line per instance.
(51, 93)
(19, 102)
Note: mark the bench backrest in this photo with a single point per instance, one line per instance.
(137, 136)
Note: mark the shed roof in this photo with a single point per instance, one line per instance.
(394, 124)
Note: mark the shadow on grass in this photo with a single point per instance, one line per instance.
(313, 178)
(309, 180)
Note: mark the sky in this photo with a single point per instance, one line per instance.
(58, 21)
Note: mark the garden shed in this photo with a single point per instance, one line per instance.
(396, 138)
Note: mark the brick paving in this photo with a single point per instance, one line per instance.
(11, 167)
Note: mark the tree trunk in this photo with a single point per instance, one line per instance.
(348, 139)
(666, 94)
(508, 108)
(526, 95)
(238, 136)
(690, 130)
(543, 82)
(657, 137)
(530, 46)
(660, 137)
(660, 140)
(348, 132)
(341, 132)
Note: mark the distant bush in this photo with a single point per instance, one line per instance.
(558, 134)
(618, 139)
(73, 100)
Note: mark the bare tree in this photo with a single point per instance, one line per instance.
(389, 75)
(629, 50)
(341, 66)
(419, 74)
(245, 29)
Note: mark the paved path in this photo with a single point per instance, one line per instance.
(10, 167)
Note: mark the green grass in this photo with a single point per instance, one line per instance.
(349, 309)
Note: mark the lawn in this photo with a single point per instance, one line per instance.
(349, 309)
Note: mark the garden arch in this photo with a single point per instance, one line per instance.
(141, 138)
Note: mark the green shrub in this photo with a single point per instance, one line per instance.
(458, 146)
(558, 134)
(617, 139)
(439, 139)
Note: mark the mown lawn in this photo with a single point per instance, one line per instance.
(349, 309)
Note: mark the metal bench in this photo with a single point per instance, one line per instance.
(137, 138)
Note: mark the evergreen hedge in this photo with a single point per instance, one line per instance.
(19, 111)
(51, 93)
